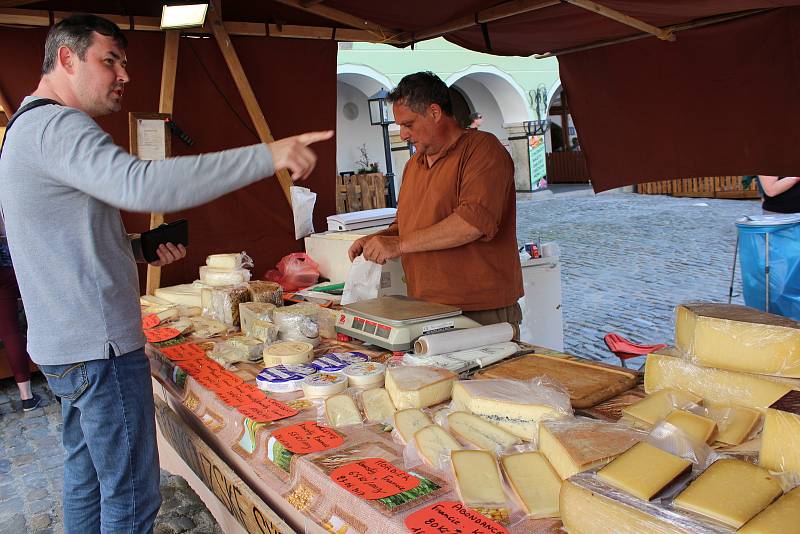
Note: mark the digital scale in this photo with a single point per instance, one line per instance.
(395, 322)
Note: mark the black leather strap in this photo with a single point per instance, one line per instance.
(24, 109)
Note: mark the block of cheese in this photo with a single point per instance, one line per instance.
(730, 336)
(408, 421)
(223, 277)
(475, 431)
(730, 491)
(226, 261)
(251, 345)
(585, 511)
(643, 470)
(340, 410)
(186, 294)
(249, 312)
(262, 291)
(734, 423)
(713, 385)
(780, 517)
(699, 429)
(434, 444)
(152, 300)
(534, 481)
(575, 445)
(512, 405)
(780, 442)
(412, 386)
(653, 408)
(224, 303)
(286, 352)
(477, 478)
(378, 406)
(205, 327)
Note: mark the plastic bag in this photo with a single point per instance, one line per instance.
(303, 201)
(294, 271)
(363, 281)
(297, 323)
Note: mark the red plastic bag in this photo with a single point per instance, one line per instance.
(295, 271)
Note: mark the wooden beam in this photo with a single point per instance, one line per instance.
(246, 92)
(498, 12)
(343, 17)
(15, 3)
(622, 18)
(8, 109)
(309, 3)
(169, 68)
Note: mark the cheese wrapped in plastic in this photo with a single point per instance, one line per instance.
(713, 385)
(262, 291)
(234, 260)
(297, 322)
(738, 338)
(186, 294)
(254, 311)
(205, 327)
(251, 345)
(223, 277)
(780, 442)
(224, 303)
(513, 405)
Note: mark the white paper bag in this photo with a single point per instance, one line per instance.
(363, 281)
(303, 201)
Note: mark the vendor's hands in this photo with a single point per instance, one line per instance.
(382, 248)
(294, 155)
(168, 253)
(357, 247)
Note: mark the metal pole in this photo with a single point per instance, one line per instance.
(387, 147)
(733, 270)
(766, 270)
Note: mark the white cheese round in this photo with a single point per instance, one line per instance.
(365, 374)
(284, 378)
(288, 352)
(323, 385)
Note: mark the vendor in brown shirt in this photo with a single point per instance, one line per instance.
(456, 216)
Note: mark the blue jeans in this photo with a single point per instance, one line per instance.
(111, 470)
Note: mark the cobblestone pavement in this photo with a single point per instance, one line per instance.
(31, 467)
(628, 259)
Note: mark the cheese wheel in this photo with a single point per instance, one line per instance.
(323, 385)
(262, 291)
(284, 378)
(337, 362)
(366, 375)
(288, 352)
(225, 261)
(223, 277)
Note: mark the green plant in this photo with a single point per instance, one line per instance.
(363, 164)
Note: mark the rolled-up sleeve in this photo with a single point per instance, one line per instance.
(484, 187)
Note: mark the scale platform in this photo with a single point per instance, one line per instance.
(395, 322)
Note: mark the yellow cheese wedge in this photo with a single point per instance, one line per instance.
(342, 411)
(534, 481)
(378, 406)
(418, 386)
(408, 421)
(655, 407)
(729, 336)
(586, 512)
(697, 428)
(643, 470)
(479, 432)
(734, 423)
(578, 445)
(477, 478)
(780, 442)
(780, 517)
(434, 444)
(730, 491)
(713, 385)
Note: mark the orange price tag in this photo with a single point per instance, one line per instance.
(233, 381)
(266, 410)
(232, 397)
(308, 437)
(154, 335)
(373, 478)
(451, 517)
(184, 351)
(150, 320)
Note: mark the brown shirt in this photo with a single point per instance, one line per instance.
(475, 179)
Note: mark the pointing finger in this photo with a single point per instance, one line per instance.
(314, 137)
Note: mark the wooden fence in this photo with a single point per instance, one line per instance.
(360, 192)
(705, 187)
(567, 168)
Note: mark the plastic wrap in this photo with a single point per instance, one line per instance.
(470, 338)
(263, 291)
(186, 294)
(265, 331)
(323, 385)
(735, 424)
(206, 327)
(376, 405)
(298, 322)
(284, 378)
(412, 386)
(288, 352)
(224, 303)
(431, 445)
(587, 505)
(223, 277)
(326, 321)
(513, 405)
(676, 441)
(713, 385)
(738, 338)
(254, 311)
(533, 482)
(655, 407)
(780, 442)
(478, 432)
(782, 516)
(227, 354)
(341, 410)
(365, 375)
(407, 422)
(235, 260)
(572, 445)
(252, 346)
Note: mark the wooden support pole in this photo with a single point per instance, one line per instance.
(622, 18)
(246, 92)
(8, 109)
(169, 69)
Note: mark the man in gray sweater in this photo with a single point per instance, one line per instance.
(62, 185)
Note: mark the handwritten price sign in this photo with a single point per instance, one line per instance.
(154, 335)
(451, 517)
(182, 352)
(308, 437)
(150, 320)
(373, 478)
(266, 410)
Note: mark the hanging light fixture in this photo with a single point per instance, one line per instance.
(183, 15)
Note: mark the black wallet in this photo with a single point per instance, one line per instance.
(176, 232)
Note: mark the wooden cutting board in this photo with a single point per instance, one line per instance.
(588, 383)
